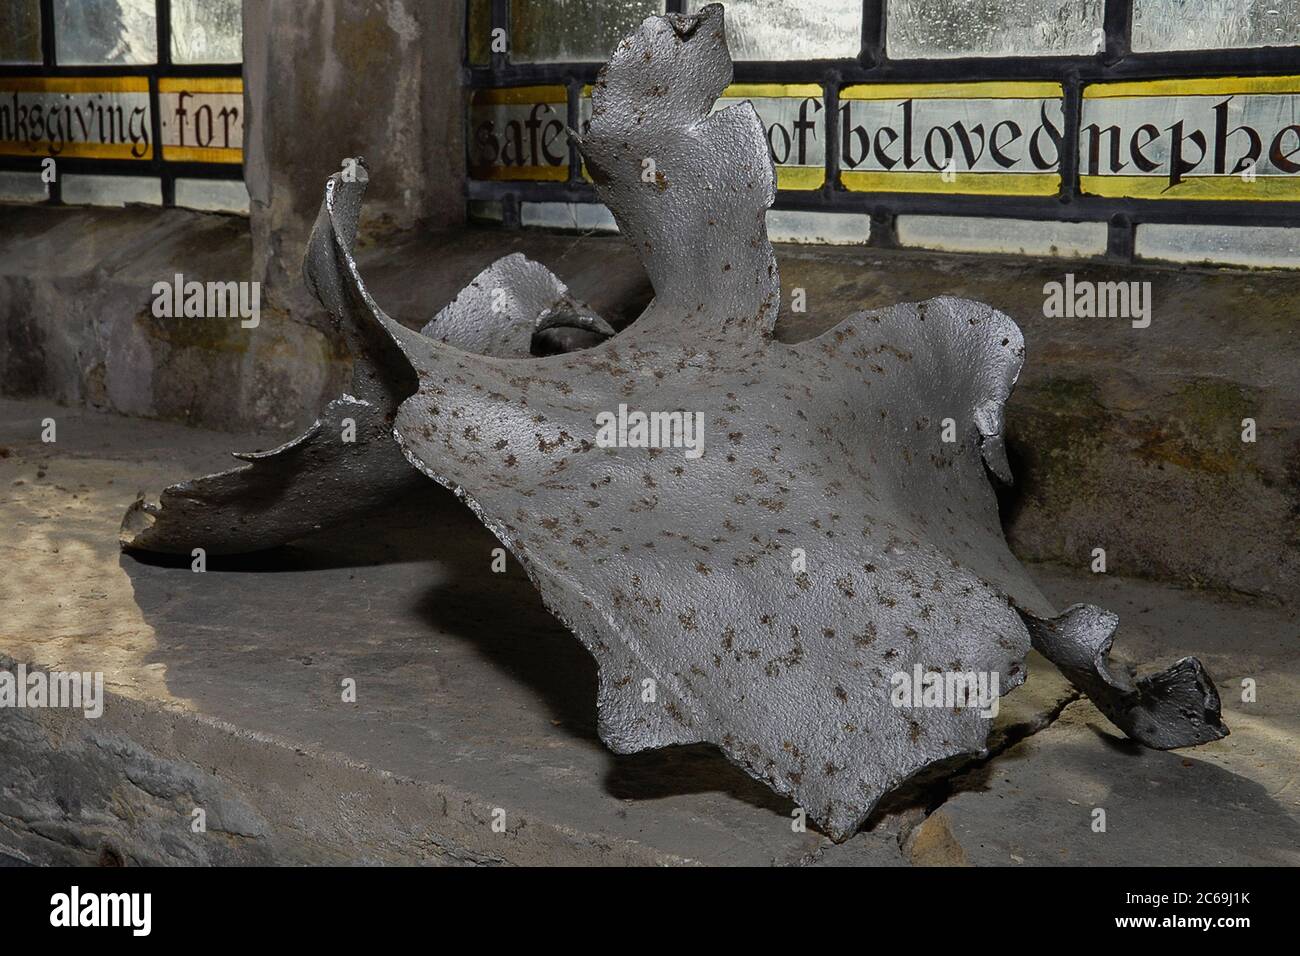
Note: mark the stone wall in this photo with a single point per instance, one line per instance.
(330, 79)
(324, 80)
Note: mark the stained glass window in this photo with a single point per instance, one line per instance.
(791, 29)
(565, 31)
(1214, 24)
(98, 98)
(959, 28)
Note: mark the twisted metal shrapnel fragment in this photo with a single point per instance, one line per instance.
(765, 595)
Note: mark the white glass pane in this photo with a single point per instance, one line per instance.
(791, 29)
(566, 31)
(586, 217)
(1261, 247)
(207, 31)
(1073, 240)
(20, 31)
(22, 187)
(953, 28)
(81, 190)
(105, 31)
(213, 195)
(829, 228)
(1214, 24)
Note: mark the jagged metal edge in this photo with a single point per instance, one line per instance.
(311, 482)
(522, 298)
(747, 307)
(660, 86)
(1177, 707)
(748, 288)
(316, 480)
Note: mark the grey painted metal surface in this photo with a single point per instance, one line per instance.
(1178, 707)
(507, 306)
(314, 481)
(764, 595)
(761, 581)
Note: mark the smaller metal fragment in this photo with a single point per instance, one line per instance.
(508, 305)
(1177, 707)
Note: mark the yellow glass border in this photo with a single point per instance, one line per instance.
(772, 91)
(991, 90)
(201, 154)
(800, 177)
(520, 173)
(964, 183)
(1261, 189)
(74, 84)
(1204, 86)
(77, 151)
(200, 84)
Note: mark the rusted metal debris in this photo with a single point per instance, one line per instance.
(763, 595)
(319, 479)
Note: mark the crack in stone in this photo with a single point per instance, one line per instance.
(938, 792)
